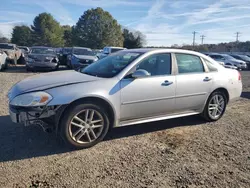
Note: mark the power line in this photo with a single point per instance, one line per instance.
(237, 36)
(194, 33)
(202, 38)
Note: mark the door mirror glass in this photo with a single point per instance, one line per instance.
(140, 73)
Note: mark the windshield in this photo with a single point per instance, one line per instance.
(111, 65)
(48, 51)
(6, 46)
(83, 51)
(23, 48)
(229, 57)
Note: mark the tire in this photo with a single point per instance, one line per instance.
(221, 109)
(68, 130)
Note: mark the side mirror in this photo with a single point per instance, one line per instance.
(140, 73)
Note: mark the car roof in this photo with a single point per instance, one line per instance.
(41, 47)
(81, 48)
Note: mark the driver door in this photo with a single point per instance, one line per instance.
(149, 96)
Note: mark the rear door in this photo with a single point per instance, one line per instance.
(193, 82)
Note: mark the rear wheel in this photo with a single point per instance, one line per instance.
(84, 125)
(215, 107)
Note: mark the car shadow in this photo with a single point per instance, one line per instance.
(245, 94)
(19, 142)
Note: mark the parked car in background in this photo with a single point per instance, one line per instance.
(243, 58)
(109, 50)
(97, 53)
(63, 55)
(25, 52)
(3, 61)
(13, 53)
(128, 87)
(229, 60)
(81, 57)
(42, 58)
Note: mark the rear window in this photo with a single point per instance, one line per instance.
(189, 63)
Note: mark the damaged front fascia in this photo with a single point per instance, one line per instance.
(37, 115)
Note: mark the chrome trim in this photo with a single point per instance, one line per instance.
(147, 100)
(191, 95)
(156, 118)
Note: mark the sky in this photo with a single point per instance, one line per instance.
(164, 22)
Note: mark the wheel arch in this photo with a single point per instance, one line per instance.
(94, 100)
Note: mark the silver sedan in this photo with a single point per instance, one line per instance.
(126, 88)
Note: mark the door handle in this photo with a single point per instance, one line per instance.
(207, 79)
(166, 83)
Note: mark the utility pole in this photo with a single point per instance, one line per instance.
(194, 33)
(237, 36)
(202, 39)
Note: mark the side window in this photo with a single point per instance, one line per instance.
(210, 66)
(158, 64)
(189, 63)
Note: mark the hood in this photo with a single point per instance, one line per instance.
(237, 61)
(41, 57)
(49, 80)
(85, 57)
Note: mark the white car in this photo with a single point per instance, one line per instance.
(128, 87)
(3, 62)
(109, 50)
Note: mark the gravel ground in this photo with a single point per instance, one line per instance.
(185, 152)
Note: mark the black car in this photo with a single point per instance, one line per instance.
(42, 58)
(243, 58)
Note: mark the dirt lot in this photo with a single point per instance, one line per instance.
(185, 152)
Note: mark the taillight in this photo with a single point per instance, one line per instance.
(239, 76)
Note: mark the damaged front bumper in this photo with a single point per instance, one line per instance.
(46, 117)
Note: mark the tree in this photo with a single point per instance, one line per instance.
(21, 35)
(97, 28)
(47, 31)
(67, 35)
(133, 39)
(3, 39)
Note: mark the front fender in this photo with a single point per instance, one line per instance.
(106, 89)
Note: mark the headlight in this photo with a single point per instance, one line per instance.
(32, 99)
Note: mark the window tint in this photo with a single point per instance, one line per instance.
(158, 64)
(216, 56)
(210, 66)
(189, 63)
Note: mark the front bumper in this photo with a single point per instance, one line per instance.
(242, 66)
(42, 66)
(48, 116)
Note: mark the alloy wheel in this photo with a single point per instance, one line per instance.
(216, 106)
(86, 126)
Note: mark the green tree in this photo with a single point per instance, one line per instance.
(67, 35)
(47, 31)
(133, 39)
(97, 28)
(21, 35)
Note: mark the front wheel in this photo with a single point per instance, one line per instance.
(84, 125)
(215, 107)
